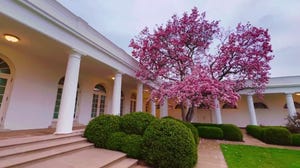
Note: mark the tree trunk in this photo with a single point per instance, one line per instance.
(182, 111)
(190, 114)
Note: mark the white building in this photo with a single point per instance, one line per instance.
(60, 73)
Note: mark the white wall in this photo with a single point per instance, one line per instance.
(32, 99)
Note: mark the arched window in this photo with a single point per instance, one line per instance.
(132, 102)
(260, 105)
(178, 106)
(98, 104)
(4, 68)
(122, 103)
(5, 82)
(297, 105)
(58, 98)
(203, 106)
(229, 106)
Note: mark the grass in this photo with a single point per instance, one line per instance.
(244, 156)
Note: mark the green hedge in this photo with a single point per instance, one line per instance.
(100, 128)
(169, 143)
(273, 135)
(132, 146)
(116, 141)
(136, 123)
(210, 132)
(230, 132)
(279, 136)
(295, 139)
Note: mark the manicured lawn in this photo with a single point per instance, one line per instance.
(244, 156)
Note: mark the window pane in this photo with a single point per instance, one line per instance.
(3, 81)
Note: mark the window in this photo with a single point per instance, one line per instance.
(297, 105)
(58, 98)
(260, 105)
(229, 106)
(4, 68)
(203, 106)
(132, 102)
(178, 106)
(98, 103)
(5, 82)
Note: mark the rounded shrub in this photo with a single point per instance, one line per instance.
(295, 139)
(169, 143)
(210, 132)
(132, 146)
(116, 141)
(231, 132)
(136, 123)
(193, 130)
(279, 136)
(190, 126)
(100, 128)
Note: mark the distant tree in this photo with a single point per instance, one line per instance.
(178, 57)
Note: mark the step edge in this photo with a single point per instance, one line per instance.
(33, 139)
(131, 163)
(42, 148)
(32, 159)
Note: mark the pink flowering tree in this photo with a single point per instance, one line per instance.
(179, 58)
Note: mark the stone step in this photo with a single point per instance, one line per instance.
(86, 158)
(22, 158)
(140, 166)
(33, 139)
(29, 147)
(124, 163)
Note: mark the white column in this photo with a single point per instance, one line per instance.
(153, 108)
(251, 108)
(139, 97)
(68, 99)
(290, 104)
(164, 108)
(218, 111)
(116, 97)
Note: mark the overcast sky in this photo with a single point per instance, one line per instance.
(121, 20)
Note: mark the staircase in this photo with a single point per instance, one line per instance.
(71, 150)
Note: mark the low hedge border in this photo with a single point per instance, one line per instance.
(295, 139)
(210, 132)
(230, 132)
(274, 135)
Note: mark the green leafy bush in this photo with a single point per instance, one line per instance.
(231, 132)
(100, 128)
(295, 139)
(136, 123)
(169, 143)
(279, 136)
(190, 126)
(116, 141)
(132, 146)
(255, 131)
(210, 132)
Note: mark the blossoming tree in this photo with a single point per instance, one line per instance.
(180, 58)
